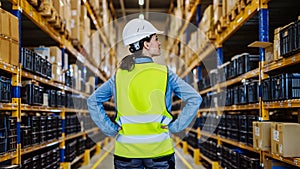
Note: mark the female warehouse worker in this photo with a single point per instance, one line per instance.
(142, 91)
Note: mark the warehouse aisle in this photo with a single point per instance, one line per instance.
(105, 160)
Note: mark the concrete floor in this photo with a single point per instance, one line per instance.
(106, 156)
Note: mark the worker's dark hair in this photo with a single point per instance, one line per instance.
(127, 63)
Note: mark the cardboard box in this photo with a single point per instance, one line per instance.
(207, 19)
(92, 81)
(57, 73)
(83, 13)
(4, 23)
(276, 43)
(4, 50)
(59, 6)
(262, 136)
(230, 5)
(269, 56)
(75, 30)
(75, 4)
(87, 88)
(56, 55)
(66, 62)
(68, 16)
(14, 53)
(217, 14)
(224, 8)
(14, 27)
(285, 139)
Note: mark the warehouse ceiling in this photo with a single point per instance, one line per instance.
(123, 8)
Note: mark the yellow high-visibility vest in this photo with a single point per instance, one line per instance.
(140, 96)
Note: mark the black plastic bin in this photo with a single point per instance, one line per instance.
(253, 92)
(37, 63)
(27, 59)
(246, 62)
(5, 89)
(266, 89)
(242, 94)
(286, 86)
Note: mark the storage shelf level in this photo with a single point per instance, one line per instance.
(26, 107)
(228, 141)
(254, 106)
(291, 161)
(8, 68)
(8, 106)
(8, 156)
(40, 146)
(214, 164)
(50, 82)
(248, 75)
(42, 23)
(77, 159)
(37, 19)
(285, 62)
(286, 104)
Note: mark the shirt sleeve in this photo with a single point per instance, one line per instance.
(191, 101)
(96, 109)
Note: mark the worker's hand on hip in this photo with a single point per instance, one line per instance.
(164, 127)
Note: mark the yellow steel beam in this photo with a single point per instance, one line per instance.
(286, 104)
(185, 147)
(288, 160)
(8, 68)
(8, 106)
(285, 62)
(86, 159)
(8, 156)
(38, 147)
(248, 75)
(98, 148)
(65, 165)
(197, 156)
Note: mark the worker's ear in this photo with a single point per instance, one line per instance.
(146, 45)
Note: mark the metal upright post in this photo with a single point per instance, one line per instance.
(198, 19)
(263, 37)
(220, 56)
(16, 87)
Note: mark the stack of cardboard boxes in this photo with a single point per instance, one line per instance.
(278, 138)
(9, 38)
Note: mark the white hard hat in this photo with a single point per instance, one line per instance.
(137, 29)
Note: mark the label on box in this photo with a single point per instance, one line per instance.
(280, 148)
(260, 144)
(256, 130)
(275, 135)
(74, 12)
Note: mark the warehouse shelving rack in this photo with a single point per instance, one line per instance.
(20, 7)
(218, 36)
(14, 107)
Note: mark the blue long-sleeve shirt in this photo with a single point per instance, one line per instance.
(175, 85)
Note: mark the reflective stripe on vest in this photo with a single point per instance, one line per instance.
(140, 96)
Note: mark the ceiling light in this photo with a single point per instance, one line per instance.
(141, 2)
(141, 16)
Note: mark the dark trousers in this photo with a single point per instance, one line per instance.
(165, 162)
